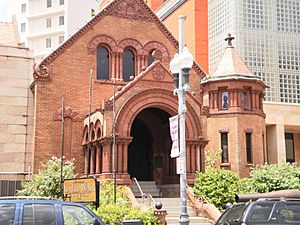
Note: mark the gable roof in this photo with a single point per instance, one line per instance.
(143, 12)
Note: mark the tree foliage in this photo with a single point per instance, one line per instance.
(46, 183)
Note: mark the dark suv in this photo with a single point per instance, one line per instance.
(262, 212)
(46, 212)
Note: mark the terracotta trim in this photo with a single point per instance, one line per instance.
(224, 130)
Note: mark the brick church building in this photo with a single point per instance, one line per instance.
(127, 51)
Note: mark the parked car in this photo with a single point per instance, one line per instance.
(46, 212)
(273, 211)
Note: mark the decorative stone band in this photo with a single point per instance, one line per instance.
(69, 112)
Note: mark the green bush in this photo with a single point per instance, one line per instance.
(246, 186)
(275, 177)
(46, 183)
(218, 186)
(112, 213)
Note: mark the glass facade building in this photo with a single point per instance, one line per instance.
(267, 36)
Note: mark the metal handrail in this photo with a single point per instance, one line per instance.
(138, 185)
(143, 195)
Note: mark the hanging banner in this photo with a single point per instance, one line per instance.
(174, 136)
(179, 165)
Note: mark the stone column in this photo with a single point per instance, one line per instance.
(198, 158)
(188, 158)
(120, 157)
(252, 99)
(125, 154)
(145, 60)
(215, 100)
(113, 65)
(98, 158)
(276, 142)
(121, 66)
(193, 158)
(202, 159)
(86, 161)
(211, 100)
(93, 159)
(107, 157)
(139, 64)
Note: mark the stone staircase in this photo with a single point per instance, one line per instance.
(172, 205)
(148, 187)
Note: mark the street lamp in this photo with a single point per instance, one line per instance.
(180, 66)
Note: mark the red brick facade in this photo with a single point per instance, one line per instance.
(142, 106)
(241, 121)
(147, 101)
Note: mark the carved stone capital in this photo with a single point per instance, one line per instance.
(205, 110)
(224, 130)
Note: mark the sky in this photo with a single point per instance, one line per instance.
(4, 14)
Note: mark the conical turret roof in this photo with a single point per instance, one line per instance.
(231, 66)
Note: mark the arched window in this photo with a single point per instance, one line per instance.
(150, 57)
(102, 63)
(128, 64)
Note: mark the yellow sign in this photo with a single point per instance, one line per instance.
(80, 190)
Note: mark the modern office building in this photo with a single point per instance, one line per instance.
(195, 25)
(44, 24)
(267, 38)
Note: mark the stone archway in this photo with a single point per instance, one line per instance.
(165, 101)
(149, 152)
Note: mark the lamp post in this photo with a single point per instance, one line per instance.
(180, 66)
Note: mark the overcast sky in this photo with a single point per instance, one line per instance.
(4, 14)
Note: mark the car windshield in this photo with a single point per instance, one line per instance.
(262, 211)
(76, 215)
(290, 212)
(232, 214)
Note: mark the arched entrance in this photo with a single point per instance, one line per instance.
(140, 151)
(149, 151)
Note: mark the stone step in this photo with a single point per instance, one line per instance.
(153, 193)
(148, 187)
(173, 206)
(144, 189)
(193, 220)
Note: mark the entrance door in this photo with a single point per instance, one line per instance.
(140, 152)
(149, 152)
